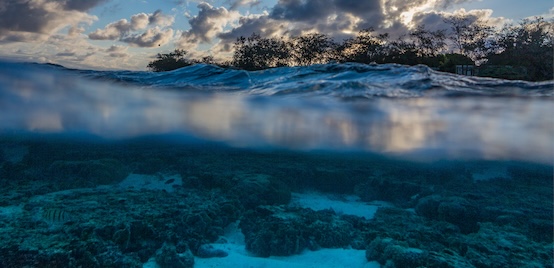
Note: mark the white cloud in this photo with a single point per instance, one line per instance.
(209, 22)
(35, 21)
(127, 31)
(150, 38)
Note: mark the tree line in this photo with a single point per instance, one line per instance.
(522, 51)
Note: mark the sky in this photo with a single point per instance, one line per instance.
(127, 34)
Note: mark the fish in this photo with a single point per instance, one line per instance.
(56, 216)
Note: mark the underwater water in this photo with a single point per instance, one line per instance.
(337, 165)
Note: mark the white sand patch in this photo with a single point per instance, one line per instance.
(159, 182)
(341, 204)
(324, 258)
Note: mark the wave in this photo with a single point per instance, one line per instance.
(344, 81)
(386, 109)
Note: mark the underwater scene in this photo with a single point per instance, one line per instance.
(335, 165)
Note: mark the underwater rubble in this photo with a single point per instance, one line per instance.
(123, 205)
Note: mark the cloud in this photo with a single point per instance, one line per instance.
(341, 19)
(209, 22)
(435, 20)
(117, 51)
(159, 19)
(126, 30)
(66, 53)
(151, 38)
(75, 31)
(238, 3)
(449, 3)
(261, 24)
(36, 20)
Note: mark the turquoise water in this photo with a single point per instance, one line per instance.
(125, 169)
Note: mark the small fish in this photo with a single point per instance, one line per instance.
(55, 215)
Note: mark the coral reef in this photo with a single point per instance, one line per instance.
(435, 216)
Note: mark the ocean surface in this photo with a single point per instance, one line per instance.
(392, 165)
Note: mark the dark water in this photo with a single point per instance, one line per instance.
(158, 165)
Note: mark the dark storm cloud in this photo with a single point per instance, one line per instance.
(296, 17)
(359, 8)
(432, 20)
(436, 20)
(337, 18)
(320, 10)
(306, 11)
(81, 5)
(43, 17)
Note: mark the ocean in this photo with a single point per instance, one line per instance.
(335, 165)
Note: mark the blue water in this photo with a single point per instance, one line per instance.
(464, 163)
(386, 109)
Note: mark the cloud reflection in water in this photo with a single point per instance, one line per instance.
(456, 127)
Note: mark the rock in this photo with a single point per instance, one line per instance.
(406, 256)
(375, 250)
(392, 253)
(260, 189)
(90, 173)
(288, 231)
(387, 189)
(167, 257)
(459, 211)
(428, 206)
(455, 210)
(447, 259)
(541, 230)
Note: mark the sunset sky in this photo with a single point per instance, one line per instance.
(126, 34)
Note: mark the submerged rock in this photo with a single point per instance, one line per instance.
(260, 189)
(395, 254)
(167, 257)
(388, 189)
(455, 210)
(88, 173)
(288, 231)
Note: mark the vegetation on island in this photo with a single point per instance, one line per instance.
(522, 51)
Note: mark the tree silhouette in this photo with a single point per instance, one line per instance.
(312, 49)
(428, 43)
(256, 53)
(470, 37)
(529, 44)
(170, 61)
(365, 47)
